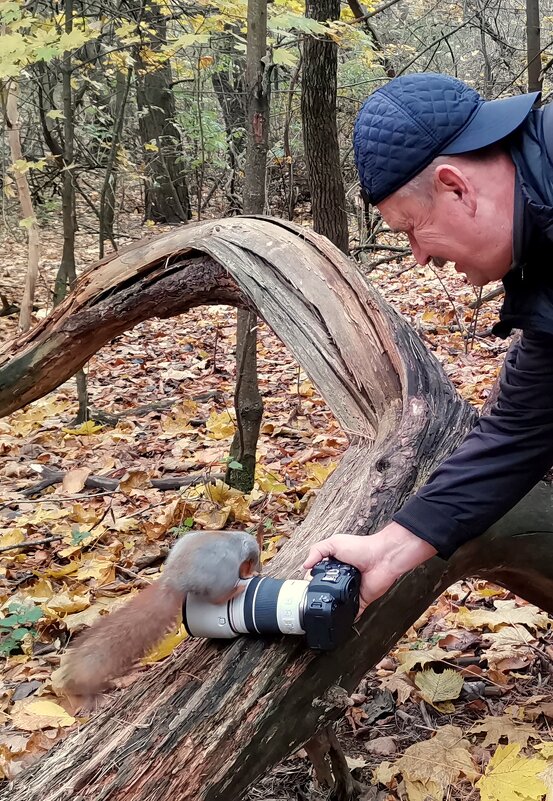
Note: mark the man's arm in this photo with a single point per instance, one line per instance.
(505, 454)
(500, 460)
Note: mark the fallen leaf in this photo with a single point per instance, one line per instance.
(437, 687)
(440, 761)
(382, 746)
(384, 774)
(510, 777)
(134, 479)
(409, 659)
(74, 480)
(13, 537)
(499, 727)
(41, 714)
(220, 426)
(506, 613)
(399, 684)
(85, 429)
(166, 646)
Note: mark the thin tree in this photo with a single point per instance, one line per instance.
(320, 133)
(247, 397)
(27, 212)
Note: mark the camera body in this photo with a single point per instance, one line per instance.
(323, 608)
(332, 603)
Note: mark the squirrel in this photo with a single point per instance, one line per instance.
(206, 563)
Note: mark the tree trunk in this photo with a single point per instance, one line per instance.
(107, 196)
(230, 87)
(247, 397)
(167, 198)
(67, 273)
(320, 134)
(27, 211)
(533, 45)
(206, 724)
(248, 404)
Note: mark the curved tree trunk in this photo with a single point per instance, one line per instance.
(209, 721)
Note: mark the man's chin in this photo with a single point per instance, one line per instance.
(473, 277)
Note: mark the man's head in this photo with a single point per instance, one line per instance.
(426, 154)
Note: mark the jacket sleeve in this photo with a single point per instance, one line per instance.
(505, 454)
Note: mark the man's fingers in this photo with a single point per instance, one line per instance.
(319, 551)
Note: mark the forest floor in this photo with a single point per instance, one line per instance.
(466, 692)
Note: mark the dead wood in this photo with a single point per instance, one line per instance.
(209, 721)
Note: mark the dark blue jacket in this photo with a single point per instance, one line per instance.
(510, 449)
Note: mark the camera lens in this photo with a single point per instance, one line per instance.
(266, 606)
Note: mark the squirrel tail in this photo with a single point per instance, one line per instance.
(115, 643)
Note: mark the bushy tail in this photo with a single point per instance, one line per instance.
(115, 643)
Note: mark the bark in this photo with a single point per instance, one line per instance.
(248, 404)
(207, 723)
(320, 133)
(167, 198)
(533, 46)
(258, 74)
(247, 397)
(66, 273)
(107, 196)
(27, 211)
(230, 88)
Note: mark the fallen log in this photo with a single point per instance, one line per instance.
(214, 717)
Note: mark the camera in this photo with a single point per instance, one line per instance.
(323, 608)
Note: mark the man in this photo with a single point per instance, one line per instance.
(469, 181)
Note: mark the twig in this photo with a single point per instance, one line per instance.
(30, 544)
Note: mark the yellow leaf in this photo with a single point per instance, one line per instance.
(306, 389)
(436, 687)
(86, 429)
(40, 715)
(423, 791)
(440, 760)
(12, 537)
(384, 773)
(214, 519)
(506, 613)
(409, 659)
(58, 571)
(166, 646)
(510, 777)
(62, 603)
(319, 472)
(498, 727)
(102, 570)
(74, 480)
(270, 482)
(205, 61)
(220, 426)
(545, 749)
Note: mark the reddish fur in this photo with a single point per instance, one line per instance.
(115, 643)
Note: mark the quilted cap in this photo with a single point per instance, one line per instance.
(405, 124)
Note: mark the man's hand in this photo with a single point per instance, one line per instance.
(382, 557)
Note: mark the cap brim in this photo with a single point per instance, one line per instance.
(494, 120)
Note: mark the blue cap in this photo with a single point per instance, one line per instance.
(405, 124)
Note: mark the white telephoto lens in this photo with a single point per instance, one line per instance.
(290, 604)
(202, 619)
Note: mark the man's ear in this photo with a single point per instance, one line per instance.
(450, 180)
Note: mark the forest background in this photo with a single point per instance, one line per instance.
(123, 119)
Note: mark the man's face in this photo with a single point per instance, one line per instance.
(461, 218)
